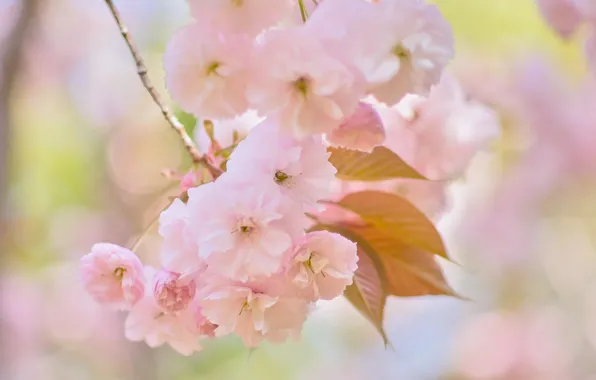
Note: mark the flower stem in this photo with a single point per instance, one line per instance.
(303, 11)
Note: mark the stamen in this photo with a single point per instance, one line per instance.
(212, 68)
(280, 177)
(119, 272)
(401, 52)
(302, 85)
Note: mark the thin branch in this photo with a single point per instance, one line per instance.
(142, 71)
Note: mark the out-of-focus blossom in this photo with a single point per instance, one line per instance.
(448, 129)
(524, 346)
(241, 16)
(206, 71)
(560, 117)
(438, 136)
(322, 265)
(562, 15)
(362, 131)
(112, 275)
(301, 84)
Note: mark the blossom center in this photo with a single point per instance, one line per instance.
(302, 84)
(212, 68)
(238, 3)
(246, 226)
(280, 177)
(119, 273)
(401, 52)
(315, 264)
(245, 306)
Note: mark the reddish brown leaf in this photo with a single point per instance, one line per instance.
(409, 271)
(367, 293)
(396, 217)
(381, 164)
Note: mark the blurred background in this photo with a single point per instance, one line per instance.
(82, 148)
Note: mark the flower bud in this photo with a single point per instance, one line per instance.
(173, 293)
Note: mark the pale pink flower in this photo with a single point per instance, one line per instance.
(300, 169)
(241, 16)
(206, 71)
(243, 229)
(302, 85)
(562, 15)
(172, 291)
(422, 46)
(179, 251)
(149, 322)
(254, 312)
(447, 128)
(177, 321)
(323, 265)
(226, 132)
(363, 130)
(401, 46)
(112, 275)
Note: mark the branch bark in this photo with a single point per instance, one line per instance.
(189, 144)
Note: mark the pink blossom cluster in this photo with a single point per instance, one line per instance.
(236, 257)
(566, 16)
(241, 55)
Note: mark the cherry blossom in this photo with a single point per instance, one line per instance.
(241, 16)
(300, 169)
(149, 322)
(112, 275)
(401, 46)
(244, 228)
(179, 251)
(254, 312)
(323, 265)
(302, 85)
(206, 71)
